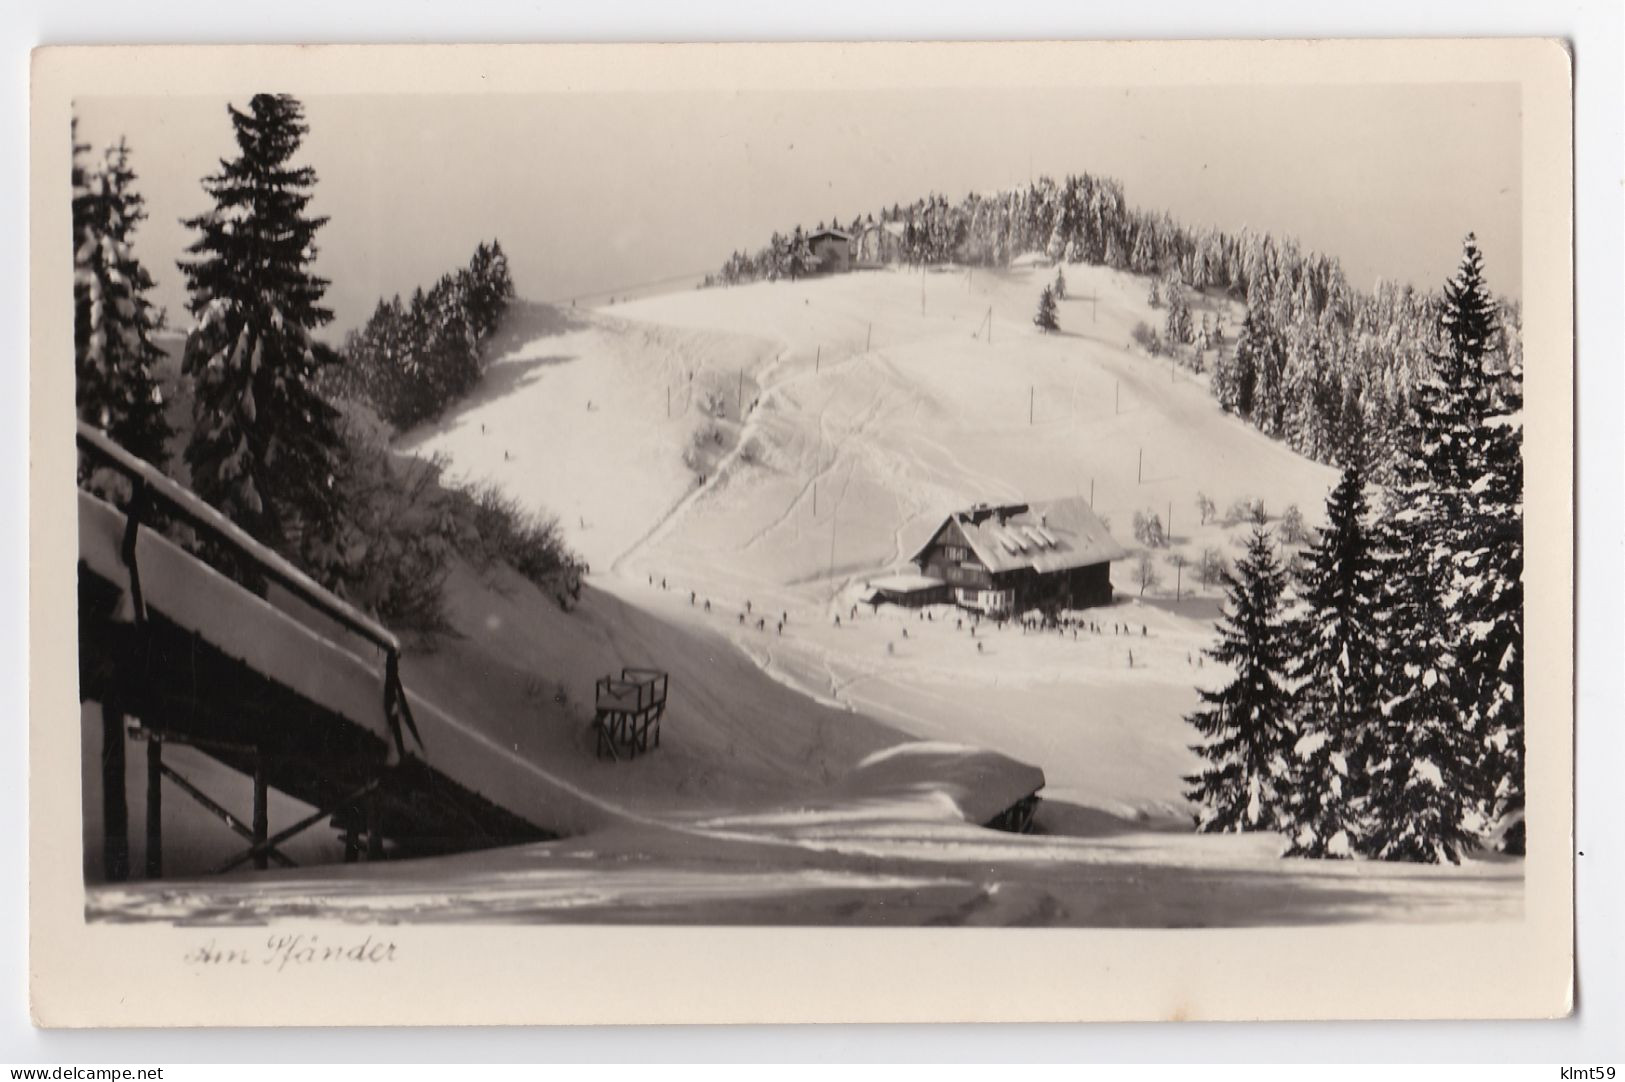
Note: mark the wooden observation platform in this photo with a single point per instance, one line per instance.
(303, 695)
(627, 711)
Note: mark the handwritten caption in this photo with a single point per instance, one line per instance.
(283, 952)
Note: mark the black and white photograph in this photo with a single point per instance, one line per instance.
(1084, 505)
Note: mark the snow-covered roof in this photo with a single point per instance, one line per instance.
(905, 582)
(1045, 535)
(834, 234)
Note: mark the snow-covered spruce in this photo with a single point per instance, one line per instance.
(1424, 781)
(1044, 319)
(264, 440)
(1335, 675)
(413, 360)
(1490, 609)
(115, 357)
(1453, 534)
(1247, 724)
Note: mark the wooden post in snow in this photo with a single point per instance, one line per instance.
(818, 360)
(833, 511)
(1139, 470)
(739, 397)
(115, 814)
(1091, 493)
(868, 338)
(1030, 394)
(155, 808)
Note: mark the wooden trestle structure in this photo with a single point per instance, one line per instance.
(177, 653)
(627, 711)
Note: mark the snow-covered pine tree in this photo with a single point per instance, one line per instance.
(1335, 672)
(1178, 325)
(1045, 316)
(264, 440)
(1247, 725)
(115, 358)
(452, 351)
(801, 260)
(1424, 781)
(1490, 608)
(488, 288)
(1436, 472)
(1454, 531)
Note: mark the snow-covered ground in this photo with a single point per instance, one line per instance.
(770, 447)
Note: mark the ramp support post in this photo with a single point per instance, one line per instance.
(262, 814)
(155, 809)
(375, 822)
(115, 813)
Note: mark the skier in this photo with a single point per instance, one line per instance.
(708, 604)
(1131, 659)
(978, 648)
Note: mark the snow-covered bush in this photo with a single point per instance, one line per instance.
(1245, 509)
(1293, 530)
(1147, 339)
(1148, 530)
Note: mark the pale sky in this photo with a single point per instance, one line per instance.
(594, 193)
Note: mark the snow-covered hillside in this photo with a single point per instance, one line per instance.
(873, 404)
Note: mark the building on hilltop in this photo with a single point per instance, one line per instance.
(832, 248)
(1053, 554)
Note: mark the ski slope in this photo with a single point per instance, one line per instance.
(853, 413)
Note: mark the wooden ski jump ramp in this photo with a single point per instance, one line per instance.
(292, 687)
(176, 652)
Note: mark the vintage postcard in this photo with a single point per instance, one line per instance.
(829, 532)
